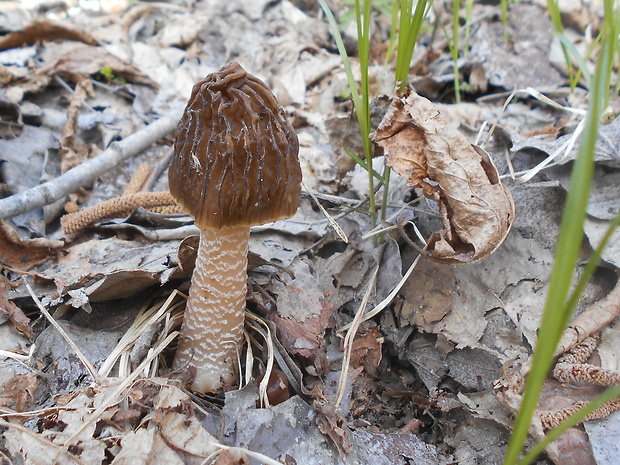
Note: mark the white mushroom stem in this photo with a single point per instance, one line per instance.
(212, 333)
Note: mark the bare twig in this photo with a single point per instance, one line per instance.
(84, 174)
(157, 170)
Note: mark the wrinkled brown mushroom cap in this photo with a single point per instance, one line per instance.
(236, 157)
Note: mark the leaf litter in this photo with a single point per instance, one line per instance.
(432, 373)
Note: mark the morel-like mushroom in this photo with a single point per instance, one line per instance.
(235, 165)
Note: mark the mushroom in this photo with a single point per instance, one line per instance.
(235, 165)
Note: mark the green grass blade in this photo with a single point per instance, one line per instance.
(454, 48)
(409, 30)
(333, 25)
(386, 183)
(579, 60)
(555, 314)
(363, 164)
(363, 117)
(393, 32)
(572, 303)
(504, 18)
(469, 6)
(360, 102)
(556, 18)
(610, 28)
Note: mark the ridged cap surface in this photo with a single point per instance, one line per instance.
(236, 156)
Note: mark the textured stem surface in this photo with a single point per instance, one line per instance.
(212, 333)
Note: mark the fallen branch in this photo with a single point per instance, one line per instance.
(85, 173)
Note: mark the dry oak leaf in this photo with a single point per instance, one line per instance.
(476, 208)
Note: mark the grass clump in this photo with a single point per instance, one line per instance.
(405, 35)
(561, 302)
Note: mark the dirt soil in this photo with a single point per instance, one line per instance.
(90, 98)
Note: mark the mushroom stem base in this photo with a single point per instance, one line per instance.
(212, 333)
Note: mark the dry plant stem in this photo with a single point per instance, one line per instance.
(160, 167)
(84, 174)
(114, 396)
(348, 340)
(388, 300)
(213, 323)
(119, 206)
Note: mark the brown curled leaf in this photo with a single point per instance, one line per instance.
(476, 208)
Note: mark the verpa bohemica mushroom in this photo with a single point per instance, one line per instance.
(235, 165)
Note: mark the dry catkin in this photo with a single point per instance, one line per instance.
(552, 418)
(119, 206)
(571, 367)
(138, 179)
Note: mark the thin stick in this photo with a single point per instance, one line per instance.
(89, 366)
(329, 218)
(157, 170)
(85, 173)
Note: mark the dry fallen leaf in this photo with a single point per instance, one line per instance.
(11, 311)
(19, 391)
(366, 351)
(331, 423)
(84, 61)
(421, 144)
(24, 254)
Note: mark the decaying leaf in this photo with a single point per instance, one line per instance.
(302, 314)
(25, 253)
(332, 423)
(18, 391)
(13, 312)
(366, 350)
(476, 208)
(83, 61)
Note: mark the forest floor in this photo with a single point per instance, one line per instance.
(433, 376)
